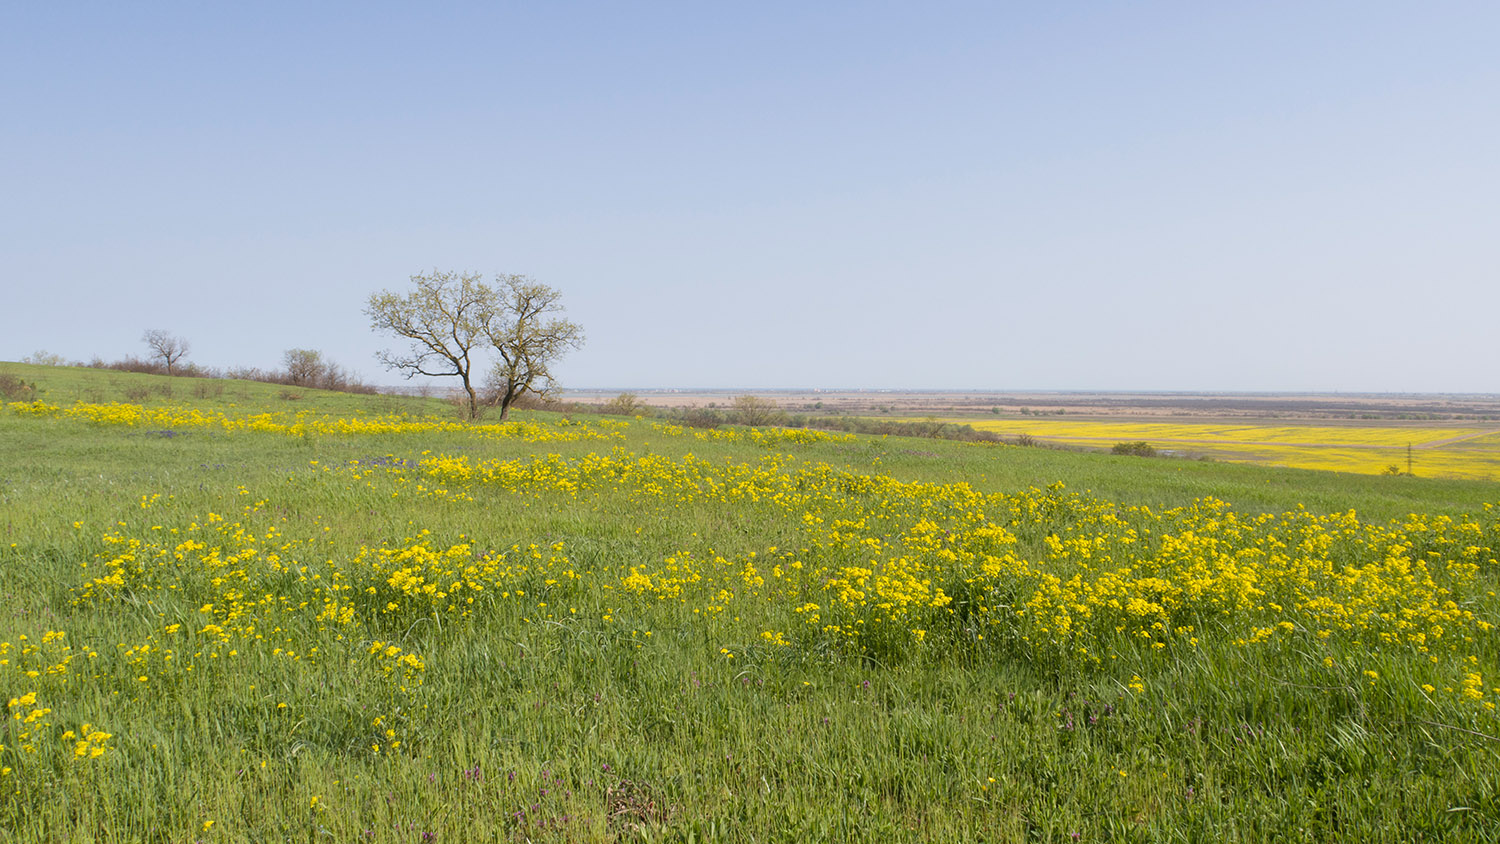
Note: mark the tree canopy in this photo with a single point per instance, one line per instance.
(452, 319)
(528, 337)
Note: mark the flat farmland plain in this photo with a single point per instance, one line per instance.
(1450, 436)
(1436, 450)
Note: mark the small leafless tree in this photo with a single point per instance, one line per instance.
(166, 347)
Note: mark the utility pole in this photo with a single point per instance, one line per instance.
(1408, 457)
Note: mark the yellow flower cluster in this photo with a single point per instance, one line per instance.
(258, 594)
(391, 660)
(826, 560)
(27, 718)
(30, 722)
(877, 560)
(88, 742)
(304, 424)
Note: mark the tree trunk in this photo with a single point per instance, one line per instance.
(473, 399)
(505, 403)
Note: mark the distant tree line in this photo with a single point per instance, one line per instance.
(168, 353)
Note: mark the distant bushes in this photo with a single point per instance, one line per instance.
(42, 357)
(925, 428)
(697, 417)
(764, 413)
(130, 363)
(303, 368)
(330, 378)
(13, 388)
(626, 404)
(141, 392)
(761, 413)
(757, 412)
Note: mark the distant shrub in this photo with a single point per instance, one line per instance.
(1135, 449)
(151, 367)
(756, 411)
(131, 364)
(309, 368)
(42, 357)
(532, 401)
(626, 404)
(929, 428)
(304, 366)
(250, 373)
(699, 418)
(14, 388)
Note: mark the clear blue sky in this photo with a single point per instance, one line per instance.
(1190, 196)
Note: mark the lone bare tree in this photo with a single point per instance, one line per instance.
(166, 347)
(528, 338)
(445, 318)
(451, 318)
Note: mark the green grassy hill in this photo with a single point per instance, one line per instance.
(1157, 482)
(69, 384)
(234, 615)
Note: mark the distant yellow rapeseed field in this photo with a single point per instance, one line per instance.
(1456, 452)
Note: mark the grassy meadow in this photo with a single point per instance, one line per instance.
(238, 612)
(1440, 450)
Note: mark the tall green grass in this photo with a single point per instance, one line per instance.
(638, 728)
